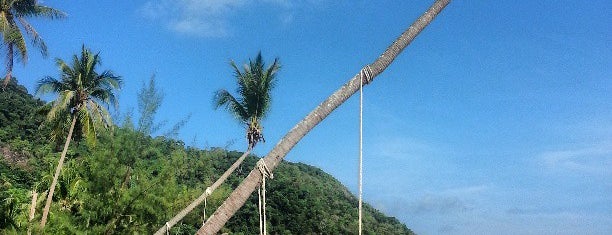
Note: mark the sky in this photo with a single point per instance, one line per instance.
(497, 119)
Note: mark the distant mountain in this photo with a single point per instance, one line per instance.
(131, 183)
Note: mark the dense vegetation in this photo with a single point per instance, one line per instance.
(130, 182)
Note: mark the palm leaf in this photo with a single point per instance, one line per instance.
(47, 12)
(224, 98)
(36, 39)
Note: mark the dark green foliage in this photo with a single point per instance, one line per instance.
(20, 117)
(131, 183)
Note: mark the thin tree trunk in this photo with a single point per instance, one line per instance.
(32, 209)
(178, 217)
(33, 204)
(276, 155)
(60, 164)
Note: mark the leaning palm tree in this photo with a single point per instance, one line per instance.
(255, 83)
(82, 93)
(239, 196)
(13, 14)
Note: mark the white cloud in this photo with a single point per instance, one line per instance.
(206, 18)
(591, 160)
(210, 18)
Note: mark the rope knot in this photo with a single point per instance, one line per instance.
(366, 75)
(264, 170)
(208, 191)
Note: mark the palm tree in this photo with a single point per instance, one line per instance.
(12, 19)
(255, 83)
(81, 93)
(239, 196)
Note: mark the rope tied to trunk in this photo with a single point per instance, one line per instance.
(265, 173)
(167, 228)
(366, 75)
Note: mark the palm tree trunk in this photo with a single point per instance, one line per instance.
(276, 155)
(60, 164)
(178, 217)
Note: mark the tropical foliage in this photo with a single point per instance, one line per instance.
(81, 93)
(13, 14)
(133, 183)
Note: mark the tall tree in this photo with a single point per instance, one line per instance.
(82, 93)
(276, 155)
(255, 83)
(149, 100)
(13, 14)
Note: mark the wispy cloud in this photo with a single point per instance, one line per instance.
(210, 18)
(440, 204)
(450, 201)
(207, 18)
(591, 160)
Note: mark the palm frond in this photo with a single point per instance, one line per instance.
(47, 85)
(36, 39)
(48, 12)
(224, 98)
(62, 104)
(16, 39)
(87, 124)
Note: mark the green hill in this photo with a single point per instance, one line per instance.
(131, 183)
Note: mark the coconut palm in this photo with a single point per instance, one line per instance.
(82, 93)
(255, 82)
(239, 196)
(13, 14)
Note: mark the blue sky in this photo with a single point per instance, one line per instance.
(496, 120)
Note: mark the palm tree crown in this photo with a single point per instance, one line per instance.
(12, 12)
(82, 92)
(255, 82)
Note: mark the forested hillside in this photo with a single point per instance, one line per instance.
(132, 183)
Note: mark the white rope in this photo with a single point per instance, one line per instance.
(167, 228)
(208, 192)
(265, 173)
(367, 74)
(204, 220)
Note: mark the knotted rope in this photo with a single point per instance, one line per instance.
(265, 173)
(364, 74)
(208, 192)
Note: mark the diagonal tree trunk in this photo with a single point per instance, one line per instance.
(60, 164)
(178, 217)
(276, 155)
